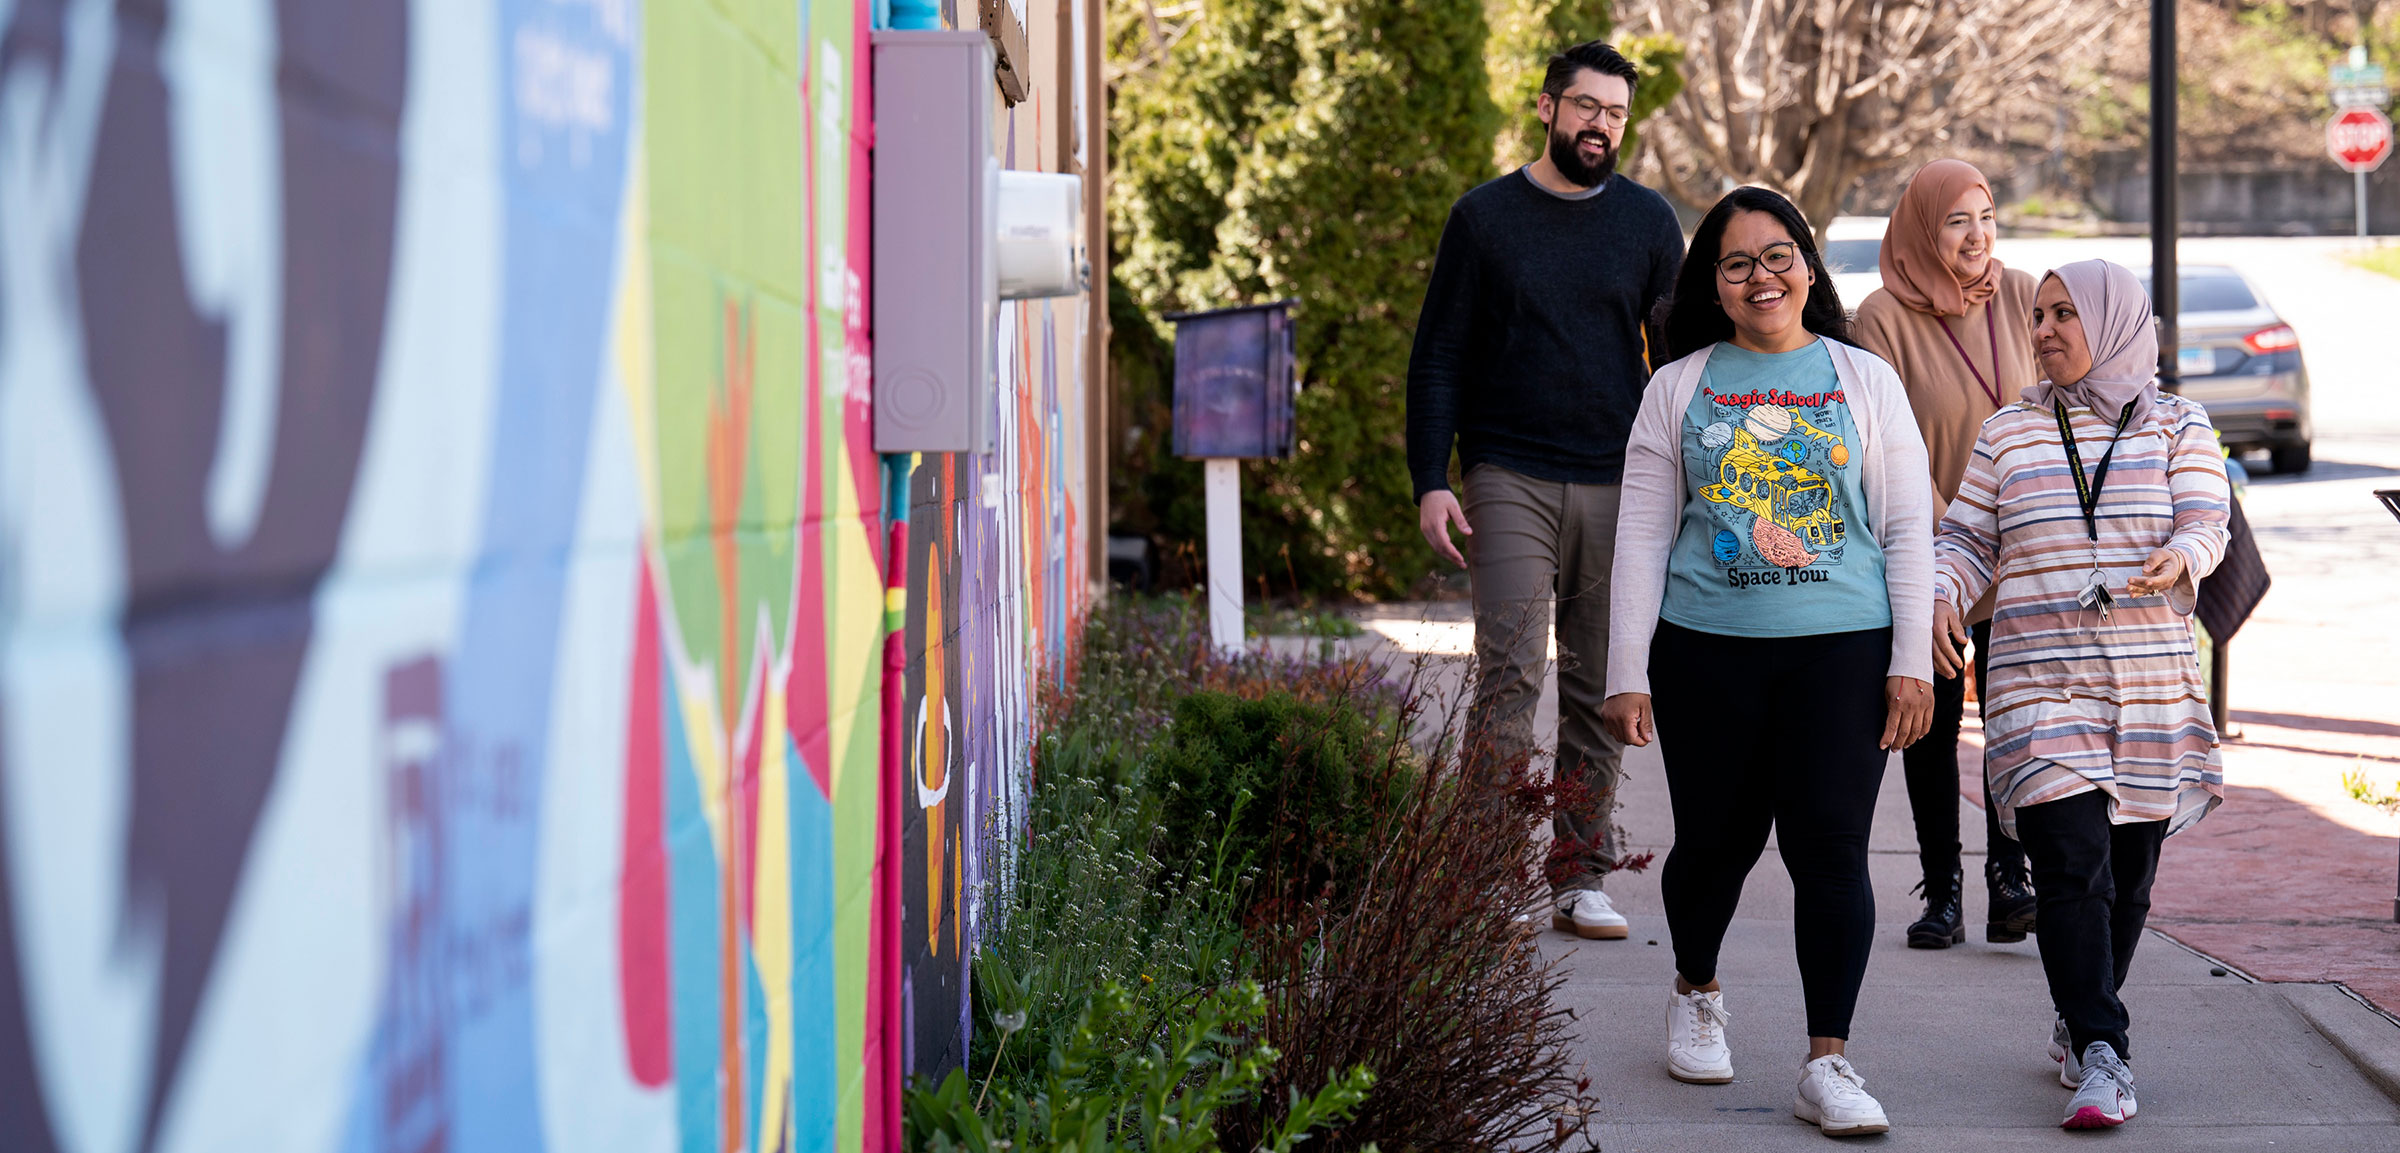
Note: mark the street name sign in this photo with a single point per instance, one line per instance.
(2358, 86)
(2359, 139)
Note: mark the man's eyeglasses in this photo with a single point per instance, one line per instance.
(1776, 257)
(1588, 109)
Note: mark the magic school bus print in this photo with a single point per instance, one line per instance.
(1770, 458)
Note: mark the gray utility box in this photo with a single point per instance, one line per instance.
(936, 275)
(1234, 382)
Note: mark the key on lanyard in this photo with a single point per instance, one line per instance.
(2096, 596)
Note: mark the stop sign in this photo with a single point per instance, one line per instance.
(2359, 138)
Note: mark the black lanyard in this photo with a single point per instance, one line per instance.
(2088, 492)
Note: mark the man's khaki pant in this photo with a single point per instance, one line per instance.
(1542, 548)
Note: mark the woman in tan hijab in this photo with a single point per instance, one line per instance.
(1959, 328)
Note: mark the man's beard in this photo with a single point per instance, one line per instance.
(1568, 158)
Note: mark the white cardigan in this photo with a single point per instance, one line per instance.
(1894, 475)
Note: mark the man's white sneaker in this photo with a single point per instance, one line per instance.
(1833, 1097)
(1696, 1049)
(1587, 913)
(2105, 1099)
(2062, 1050)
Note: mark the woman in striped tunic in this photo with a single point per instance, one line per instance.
(2092, 509)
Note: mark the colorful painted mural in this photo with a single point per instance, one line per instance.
(463, 671)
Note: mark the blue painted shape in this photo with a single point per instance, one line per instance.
(563, 159)
(816, 1079)
(754, 1046)
(692, 944)
(562, 166)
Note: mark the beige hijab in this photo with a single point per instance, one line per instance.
(1913, 270)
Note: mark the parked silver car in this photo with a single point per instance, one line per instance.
(1853, 254)
(2242, 362)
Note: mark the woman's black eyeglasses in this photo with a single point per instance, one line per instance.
(1776, 257)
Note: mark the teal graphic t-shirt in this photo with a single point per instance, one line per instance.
(1774, 540)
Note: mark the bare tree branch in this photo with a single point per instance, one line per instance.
(1803, 96)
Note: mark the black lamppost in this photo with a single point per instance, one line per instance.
(2164, 218)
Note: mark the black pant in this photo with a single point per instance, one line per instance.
(1781, 733)
(1931, 766)
(2091, 884)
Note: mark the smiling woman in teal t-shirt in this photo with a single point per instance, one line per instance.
(1769, 604)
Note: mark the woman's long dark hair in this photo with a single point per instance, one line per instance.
(1694, 317)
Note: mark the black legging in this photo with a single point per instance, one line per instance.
(1931, 766)
(1779, 733)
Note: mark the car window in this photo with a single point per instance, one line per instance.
(2215, 293)
(2212, 292)
(1852, 255)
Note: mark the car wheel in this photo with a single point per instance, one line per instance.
(2290, 457)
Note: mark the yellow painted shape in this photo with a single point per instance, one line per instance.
(933, 758)
(853, 639)
(771, 911)
(632, 338)
(708, 755)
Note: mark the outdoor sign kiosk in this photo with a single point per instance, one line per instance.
(2359, 137)
(1234, 393)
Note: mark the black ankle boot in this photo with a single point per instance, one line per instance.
(1943, 924)
(2011, 902)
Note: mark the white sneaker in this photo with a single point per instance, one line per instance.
(1696, 1049)
(1587, 913)
(2062, 1050)
(2105, 1099)
(1833, 1097)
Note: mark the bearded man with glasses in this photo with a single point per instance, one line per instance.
(1530, 359)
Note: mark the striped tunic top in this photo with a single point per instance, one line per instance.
(2073, 704)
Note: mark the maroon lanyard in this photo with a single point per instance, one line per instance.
(1991, 332)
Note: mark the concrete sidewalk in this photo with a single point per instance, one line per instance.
(1951, 1041)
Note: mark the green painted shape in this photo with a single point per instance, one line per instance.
(724, 173)
(730, 195)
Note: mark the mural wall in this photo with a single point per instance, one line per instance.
(995, 577)
(463, 671)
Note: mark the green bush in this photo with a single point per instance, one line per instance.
(1213, 1058)
(1272, 784)
(1083, 903)
(1308, 149)
(1186, 816)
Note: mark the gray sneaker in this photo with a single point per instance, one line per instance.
(2062, 1050)
(2105, 1098)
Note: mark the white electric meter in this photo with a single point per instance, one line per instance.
(1040, 235)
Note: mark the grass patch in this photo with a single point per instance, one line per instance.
(2366, 792)
(2382, 258)
(1284, 621)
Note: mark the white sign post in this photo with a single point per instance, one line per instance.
(1223, 481)
(1234, 390)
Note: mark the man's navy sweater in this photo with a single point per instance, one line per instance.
(1530, 351)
